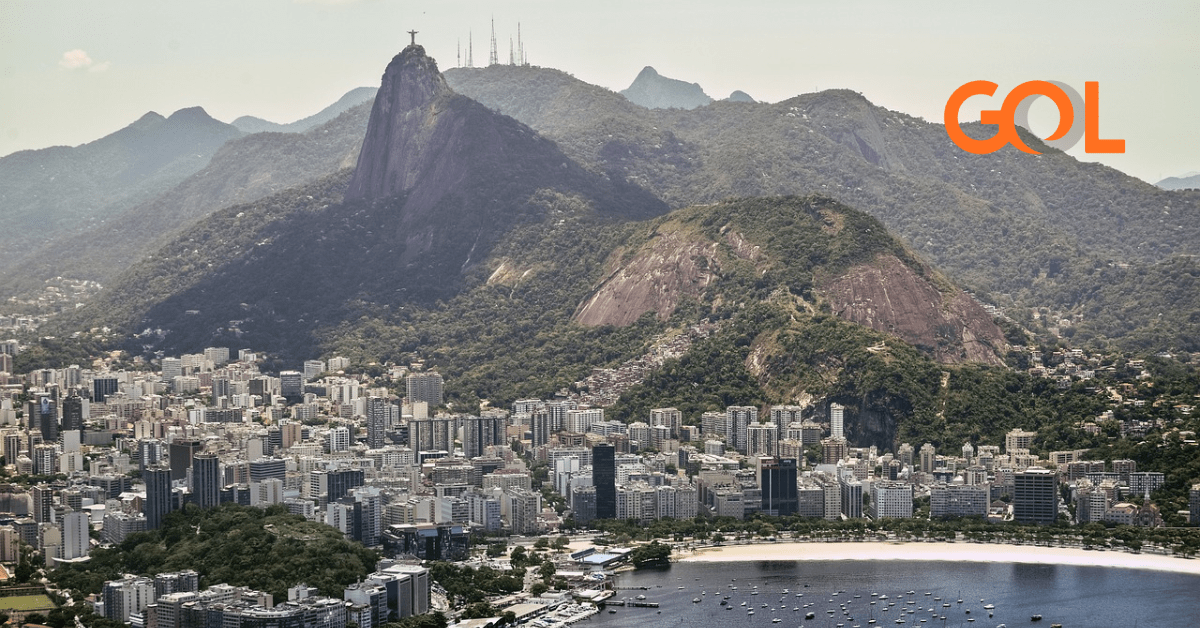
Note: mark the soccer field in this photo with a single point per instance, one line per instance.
(25, 603)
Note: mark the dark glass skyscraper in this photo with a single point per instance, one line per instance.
(1035, 496)
(777, 479)
(158, 496)
(43, 416)
(206, 480)
(180, 453)
(72, 419)
(604, 476)
(102, 387)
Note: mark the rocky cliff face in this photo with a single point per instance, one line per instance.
(459, 175)
(404, 123)
(886, 295)
(697, 254)
(670, 268)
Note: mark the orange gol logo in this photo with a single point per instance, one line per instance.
(1015, 111)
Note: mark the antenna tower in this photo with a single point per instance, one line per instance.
(494, 58)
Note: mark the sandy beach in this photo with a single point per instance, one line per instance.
(971, 552)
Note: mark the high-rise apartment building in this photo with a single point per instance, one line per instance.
(425, 387)
(928, 458)
(891, 500)
(837, 423)
(761, 439)
(670, 417)
(740, 418)
(481, 432)
(313, 368)
(378, 417)
(1018, 439)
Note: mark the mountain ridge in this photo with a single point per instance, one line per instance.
(60, 191)
(422, 226)
(356, 96)
(1023, 231)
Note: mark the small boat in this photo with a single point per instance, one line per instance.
(989, 606)
(696, 600)
(810, 615)
(749, 612)
(641, 597)
(776, 620)
(1035, 618)
(612, 611)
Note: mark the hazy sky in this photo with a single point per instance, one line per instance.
(72, 72)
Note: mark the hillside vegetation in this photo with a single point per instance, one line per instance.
(1022, 230)
(268, 550)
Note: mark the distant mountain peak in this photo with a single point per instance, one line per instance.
(740, 96)
(149, 117)
(412, 79)
(190, 114)
(655, 91)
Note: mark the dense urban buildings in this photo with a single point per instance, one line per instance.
(383, 461)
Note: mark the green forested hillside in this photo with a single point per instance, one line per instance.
(55, 193)
(1020, 229)
(269, 550)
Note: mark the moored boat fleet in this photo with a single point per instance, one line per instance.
(842, 609)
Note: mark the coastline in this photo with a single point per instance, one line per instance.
(957, 552)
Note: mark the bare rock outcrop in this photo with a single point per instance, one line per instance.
(888, 296)
(654, 280)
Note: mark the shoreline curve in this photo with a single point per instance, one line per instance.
(924, 551)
